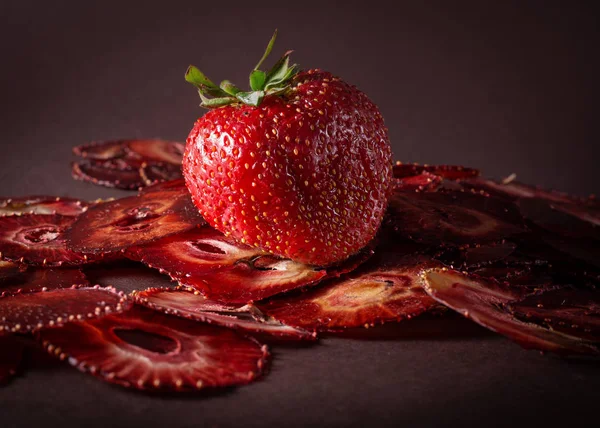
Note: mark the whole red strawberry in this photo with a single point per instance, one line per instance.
(300, 166)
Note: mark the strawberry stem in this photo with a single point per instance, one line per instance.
(262, 84)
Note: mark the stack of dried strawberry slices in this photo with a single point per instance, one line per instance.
(282, 218)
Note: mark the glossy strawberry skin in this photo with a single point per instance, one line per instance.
(306, 175)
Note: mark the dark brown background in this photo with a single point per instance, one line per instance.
(504, 86)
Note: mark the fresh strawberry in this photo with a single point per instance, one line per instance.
(300, 166)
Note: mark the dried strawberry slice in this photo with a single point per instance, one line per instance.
(159, 172)
(175, 185)
(103, 150)
(476, 256)
(107, 175)
(27, 312)
(586, 209)
(37, 240)
(193, 253)
(186, 303)
(513, 190)
(157, 150)
(223, 269)
(425, 181)
(11, 355)
(382, 290)
(449, 172)
(146, 350)
(119, 224)
(42, 205)
(487, 303)
(552, 220)
(33, 280)
(574, 311)
(454, 218)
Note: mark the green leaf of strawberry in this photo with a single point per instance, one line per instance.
(275, 82)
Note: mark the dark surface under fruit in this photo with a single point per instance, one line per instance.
(421, 372)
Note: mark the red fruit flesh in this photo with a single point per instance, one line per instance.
(192, 305)
(33, 280)
(42, 205)
(146, 350)
(454, 218)
(488, 303)
(31, 311)
(223, 269)
(305, 175)
(37, 240)
(119, 224)
(11, 355)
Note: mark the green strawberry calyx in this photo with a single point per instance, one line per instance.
(274, 82)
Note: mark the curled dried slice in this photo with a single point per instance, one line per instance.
(37, 240)
(486, 303)
(223, 269)
(454, 218)
(186, 303)
(27, 312)
(513, 190)
(448, 172)
(11, 355)
(42, 205)
(107, 175)
(159, 172)
(380, 291)
(146, 350)
(157, 150)
(116, 225)
(33, 280)
(586, 209)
